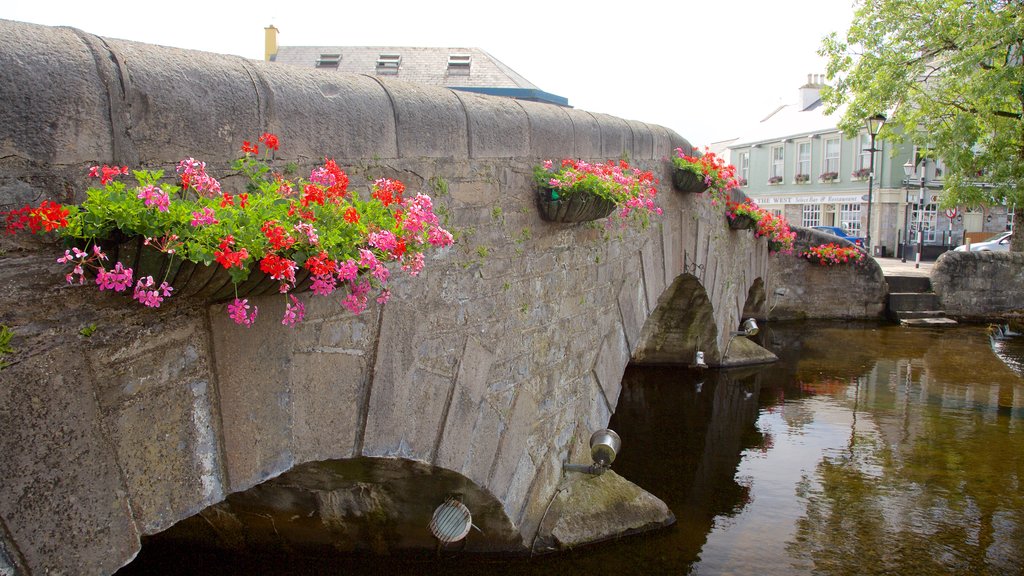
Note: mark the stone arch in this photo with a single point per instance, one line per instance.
(682, 322)
(755, 305)
(374, 505)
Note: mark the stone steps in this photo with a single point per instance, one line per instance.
(912, 302)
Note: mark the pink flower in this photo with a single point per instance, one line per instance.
(439, 237)
(385, 295)
(384, 240)
(204, 218)
(238, 311)
(118, 279)
(294, 312)
(153, 196)
(355, 303)
(414, 267)
(154, 297)
(323, 285)
(348, 270)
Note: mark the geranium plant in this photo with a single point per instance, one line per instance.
(717, 175)
(832, 254)
(340, 241)
(775, 179)
(801, 178)
(775, 228)
(861, 174)
(829, 176)
(632, 191)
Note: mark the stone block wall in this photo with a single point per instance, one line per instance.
(798, 288)
(979, 285)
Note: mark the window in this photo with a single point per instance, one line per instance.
(1009, 217)
(777, 169)
(849, 218)
(927, 219)
(863, 163)
(328, 61)
(743, 167)
(811, 216)
(389, 63)
(830, 165)
(458, 64)
(803, 162)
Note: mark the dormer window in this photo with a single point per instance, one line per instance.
(459, 64)
(389, 63)
(328, 61)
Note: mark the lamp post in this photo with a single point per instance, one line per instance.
(909, 168)
(874, 124)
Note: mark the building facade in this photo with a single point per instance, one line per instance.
(797, 163)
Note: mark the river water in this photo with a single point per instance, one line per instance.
(868, 449)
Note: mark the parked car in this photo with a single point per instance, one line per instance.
(837, 231)
(998, 243)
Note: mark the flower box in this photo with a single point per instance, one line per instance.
(714, 174)
(829, 177)
(578, 207)
(686, 181)
(775, 180)
(801, 178)
(578, 191)
(741, 222)
(191, 280)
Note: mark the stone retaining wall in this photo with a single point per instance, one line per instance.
(979, 285)
(801, 289)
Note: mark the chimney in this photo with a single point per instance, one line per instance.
(811, 92)
(270, 43)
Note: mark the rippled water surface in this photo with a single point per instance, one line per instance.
(867, 449)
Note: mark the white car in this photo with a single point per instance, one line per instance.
(998, 243)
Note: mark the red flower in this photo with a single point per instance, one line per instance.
(227, 257)
(278, 237)
(388, 191)
(269, 140)
(107, 173)
(250, 148)
(226, 200)
(243, 201)
(313, 194)
(337, 191)
(351, 215)
(278, 268)
(320, 265)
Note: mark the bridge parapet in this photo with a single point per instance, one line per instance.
(495, 364)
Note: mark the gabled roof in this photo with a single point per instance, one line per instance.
(470, 69)
(790, 121)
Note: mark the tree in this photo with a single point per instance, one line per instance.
(949, 74)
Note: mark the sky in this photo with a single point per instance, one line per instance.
(710, 71)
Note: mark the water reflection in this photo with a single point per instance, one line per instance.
(867, 449)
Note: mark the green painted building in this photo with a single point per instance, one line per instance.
(796, 162)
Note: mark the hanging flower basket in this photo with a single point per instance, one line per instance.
(686, 181)
(741, 222)
(578, 191)
(578, 207)
(191, 280)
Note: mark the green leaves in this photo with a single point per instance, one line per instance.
(949, 76)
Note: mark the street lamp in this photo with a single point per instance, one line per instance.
(909, 168)
(874, 125)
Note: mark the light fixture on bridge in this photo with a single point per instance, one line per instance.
(698, 360)
(604, 446)
(747, 328)
(451, 521)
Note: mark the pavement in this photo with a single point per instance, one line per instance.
(896, 267)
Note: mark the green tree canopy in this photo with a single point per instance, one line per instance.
(948, 74)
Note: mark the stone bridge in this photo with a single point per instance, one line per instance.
(481, 377)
